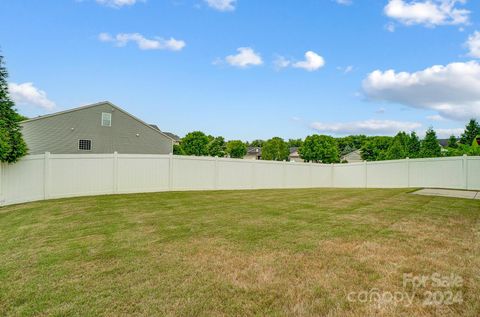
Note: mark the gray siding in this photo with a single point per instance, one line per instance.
(59, 134)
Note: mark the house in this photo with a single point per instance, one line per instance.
(253, 153)
(443, 142)
(97, 128)
(352, 157)
(294, 155)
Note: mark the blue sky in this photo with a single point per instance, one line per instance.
(251, 69)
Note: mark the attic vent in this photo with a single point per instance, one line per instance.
(85, 145)
(106, 119)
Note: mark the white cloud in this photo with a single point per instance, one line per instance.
(436, 117)
(473, 45)
(443, 133)
(453, 91)
(427, 12)
(370, 127)
(344, 2)
(312, 62)
(143, 43)
(222, 5)
(117, 3)
(281, 62)
(347, 69)
(246, 57)
(380, 111)
(28, 94)
(390, 27)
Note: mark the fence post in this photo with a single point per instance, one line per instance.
(46, 176)
(332, 175)
(216, 171)
(115, 172)
(465, 170)
(252, 174)
(2, 199)
(366, 173)
(408, 171)
(170, 172)
(284, 172)
(310, 174)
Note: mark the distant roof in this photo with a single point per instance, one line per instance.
(254, 150)
(443, 142)
(293, 149)
(155, 127)
(173, 136)
(170, 134)
(95, 105)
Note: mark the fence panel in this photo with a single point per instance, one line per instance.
(268, 174)
(193, 173)
(473, 172)
(437, 172)
(235, 174)
(24, 180)
(322, 175)
(298, 175)
(142, 173)
(79, 175)
(349, 175)
(387, 174)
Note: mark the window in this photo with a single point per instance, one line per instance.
(106, 119)
(85, 145)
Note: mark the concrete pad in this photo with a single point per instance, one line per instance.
(448, 193)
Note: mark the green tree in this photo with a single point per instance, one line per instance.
(472, 129)
(350, 143)
(452, 142)
(195, 143)
(413, 145)
(12, 145)
(216, 147)
(398, 149)
(236, 149)
(275, 149)
(375, 148)
(475, 142)
(294, 143)
(256, 143)
(177, 150)
(319, 148)
(20, 118)
(430, 146)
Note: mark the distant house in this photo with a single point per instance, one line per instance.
(176, 139)
(97, 128)
(294, 155)
(352, 157)
(253, 153)
(443, 142)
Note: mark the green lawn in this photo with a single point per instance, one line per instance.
(238, 253)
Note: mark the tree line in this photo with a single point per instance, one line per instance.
(327, 149)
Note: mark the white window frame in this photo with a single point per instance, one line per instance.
(106, 118)
(84, 140)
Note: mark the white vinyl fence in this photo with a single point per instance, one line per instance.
(39, 177)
